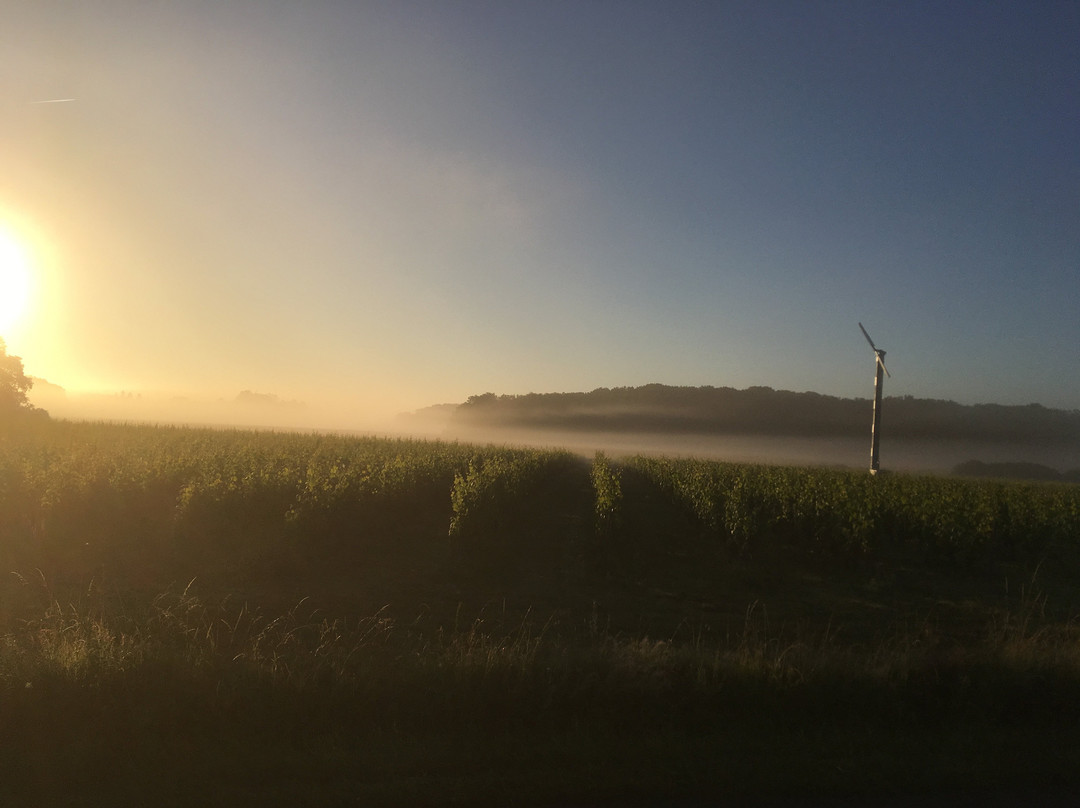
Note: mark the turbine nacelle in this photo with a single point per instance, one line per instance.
(881, 361)
(880, 354)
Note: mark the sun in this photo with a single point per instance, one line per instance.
(14, 280)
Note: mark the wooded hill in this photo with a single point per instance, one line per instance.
(763, 410)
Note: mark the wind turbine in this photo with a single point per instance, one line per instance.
(878, 383)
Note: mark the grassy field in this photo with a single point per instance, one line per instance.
(239, 618)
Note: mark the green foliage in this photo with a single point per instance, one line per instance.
(137, 494)
(491, 489)
(953, 521)
(74, 496)
(608, 495)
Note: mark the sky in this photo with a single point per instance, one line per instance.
(378, 206)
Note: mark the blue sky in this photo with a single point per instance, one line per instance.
(389, 205)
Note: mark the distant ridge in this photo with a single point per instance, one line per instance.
(661, 408)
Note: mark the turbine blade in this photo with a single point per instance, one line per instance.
(882, 361)
(867, 337)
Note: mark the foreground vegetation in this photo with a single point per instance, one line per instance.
(201, 617)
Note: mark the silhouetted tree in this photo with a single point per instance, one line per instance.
(14, 383)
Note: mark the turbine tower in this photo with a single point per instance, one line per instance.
(878, 384)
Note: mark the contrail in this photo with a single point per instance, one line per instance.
(53, 101)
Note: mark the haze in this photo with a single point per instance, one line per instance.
(356, 209)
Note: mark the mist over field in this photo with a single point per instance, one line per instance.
(246, 408)
(849, 447)
(939, 456)
(762, 425)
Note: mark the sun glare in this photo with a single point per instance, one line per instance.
(14, 280)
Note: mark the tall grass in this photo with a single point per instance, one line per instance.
(488, 672)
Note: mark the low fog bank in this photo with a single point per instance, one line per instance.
(763, 425)
(246, 409)
(908, 455)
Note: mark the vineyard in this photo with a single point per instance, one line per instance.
(334, 618)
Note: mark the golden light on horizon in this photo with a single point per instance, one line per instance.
(15, 280)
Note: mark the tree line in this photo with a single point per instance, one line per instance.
(763, 410)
